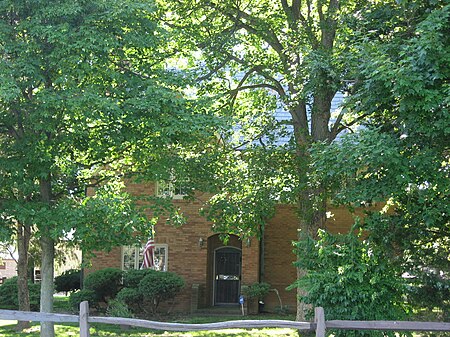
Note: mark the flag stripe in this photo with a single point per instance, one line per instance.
(149, 255)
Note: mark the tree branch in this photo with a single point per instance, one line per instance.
(266, 34)
(234, 92)
(256, 137)
(214, 70)
(295, 16)
(260, 70)
(328, 24)
(308, 6)
(255, 86)
(342, 127)
(335, 128)
(291, 18)
(296, 7)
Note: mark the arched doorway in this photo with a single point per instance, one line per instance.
(223, 272)
(227, 275)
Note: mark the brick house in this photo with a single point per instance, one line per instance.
(215, 273)
(8, 267)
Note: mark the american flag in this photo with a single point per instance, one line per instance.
(149, 255)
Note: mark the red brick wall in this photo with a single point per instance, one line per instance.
(277, 267)
(250, 262)
(105, 260)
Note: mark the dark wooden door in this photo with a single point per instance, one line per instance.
(227, 275)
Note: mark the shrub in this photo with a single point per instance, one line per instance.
(157, 286)
(105, 283)
(132, 277)
(258, 290)
(70, 280)
(130, 296)
(9, 294)
(351, 279)
(118, 308)
(145, 289)
(83, 295)
(35, 295)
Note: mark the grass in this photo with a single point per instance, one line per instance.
(61, 305)
(107, 330)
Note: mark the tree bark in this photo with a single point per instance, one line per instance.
(302, 307)
(47, 263)
(47, 273)
(311, 201)
(23, 242)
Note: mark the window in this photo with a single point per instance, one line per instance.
(172, 189)
(132, 257)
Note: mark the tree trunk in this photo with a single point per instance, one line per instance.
(23, 242)
(47, 263)
(47, 273)
(312, 218)
(311, 200)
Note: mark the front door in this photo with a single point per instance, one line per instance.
(227, 275)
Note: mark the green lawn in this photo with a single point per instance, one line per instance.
(103, 330)
(61, 305)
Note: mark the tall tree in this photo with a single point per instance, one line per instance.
(403, 159)
(256, 55)
(83, 89)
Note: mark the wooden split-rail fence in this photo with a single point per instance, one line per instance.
(319, 325)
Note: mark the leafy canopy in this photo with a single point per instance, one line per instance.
(84, 94)
(402, 158)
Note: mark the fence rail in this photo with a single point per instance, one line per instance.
(319, 325)
(388, 325)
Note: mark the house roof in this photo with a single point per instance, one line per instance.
(283, 133)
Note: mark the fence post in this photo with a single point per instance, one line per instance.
(84, 315)
(319, 319)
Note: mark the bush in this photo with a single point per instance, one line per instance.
(9, 294)
(118, 308)
(257, 290)
(157, 287)
(70, 280)
(351, 279)
(146, 289)
(130, 296)
(106, 283)
(132, 277)
(83, 295)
